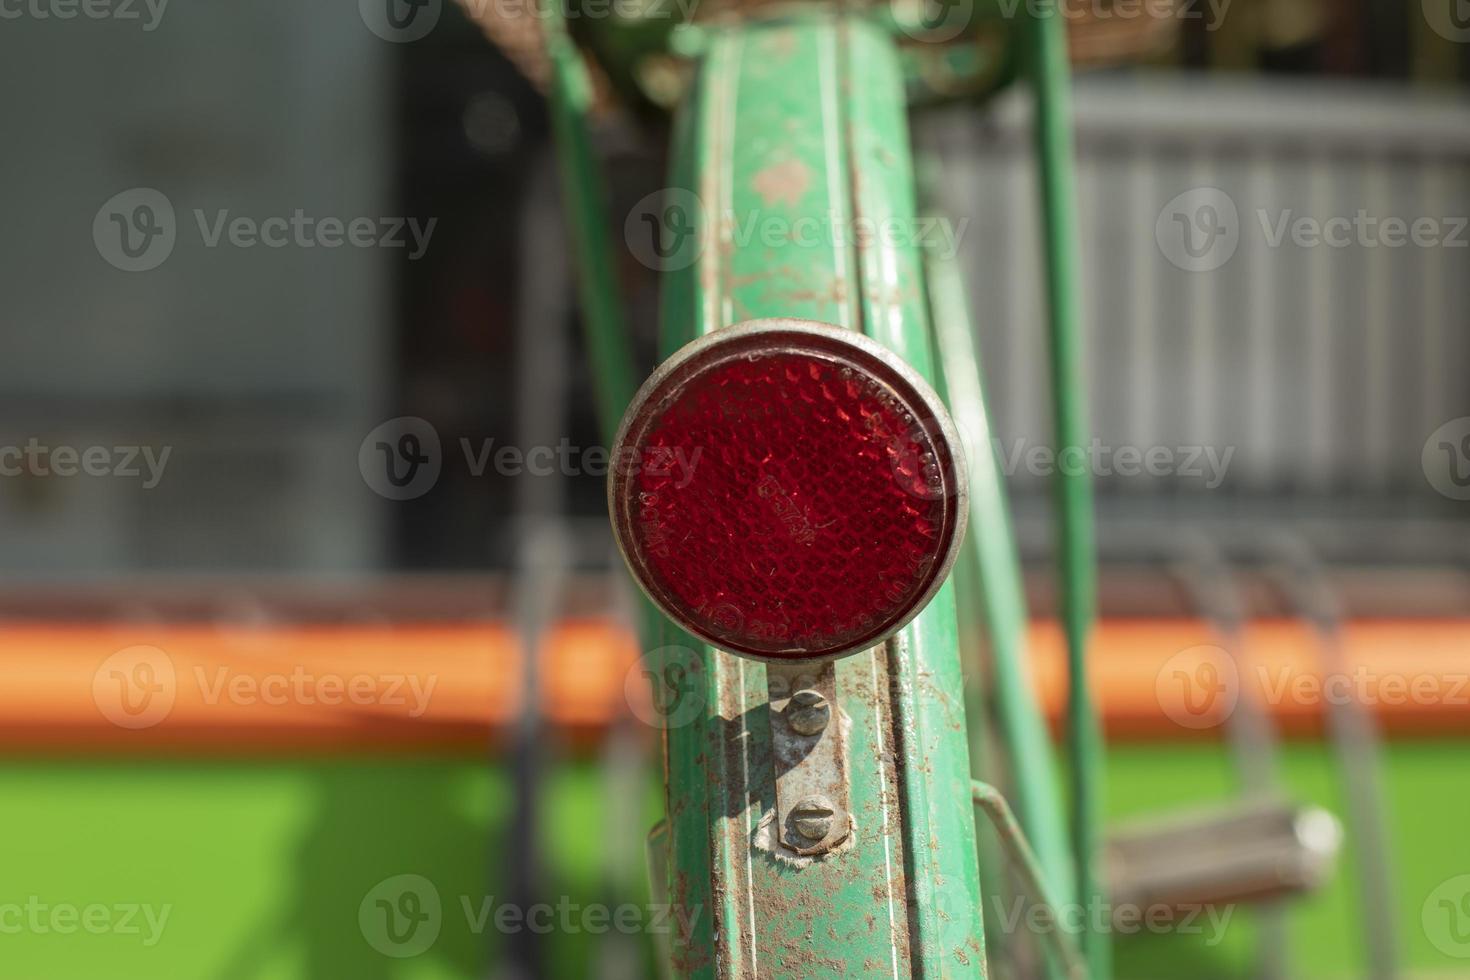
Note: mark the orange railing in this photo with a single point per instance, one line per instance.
(211, 689)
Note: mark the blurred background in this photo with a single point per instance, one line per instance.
(253, 682)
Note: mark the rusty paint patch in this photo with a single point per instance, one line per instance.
(781, 44)
(786, 181)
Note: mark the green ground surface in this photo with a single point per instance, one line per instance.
(262, 869)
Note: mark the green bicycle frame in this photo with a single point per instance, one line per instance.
(802, 123)
(799, 124)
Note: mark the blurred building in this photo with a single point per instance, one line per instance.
(1322, 371)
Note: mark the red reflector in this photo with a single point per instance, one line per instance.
(788, 490)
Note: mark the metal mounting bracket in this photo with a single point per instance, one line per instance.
(809, 754)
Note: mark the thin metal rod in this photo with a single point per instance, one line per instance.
(1206, 575)
(991, 555)
(542, 558)
(1209, 581)
(1050, 77)
(584, 202)
(1355, 743)
(1059, 944)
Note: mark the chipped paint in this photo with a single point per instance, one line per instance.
(785, 182)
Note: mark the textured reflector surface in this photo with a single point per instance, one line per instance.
(786, 502)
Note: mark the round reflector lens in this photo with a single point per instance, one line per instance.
(788, 490)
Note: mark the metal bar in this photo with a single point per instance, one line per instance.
(809, 755)
(1355, 743)
(780, 84)
(1210, 583)
(584, 202)
(657, 855)
(947, 934)
(991, 556)
(989, 751)
(801, 122)
(1257, 851)
(1050, 76)
(541, 548)
(1028, 867)
(1207, 577)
